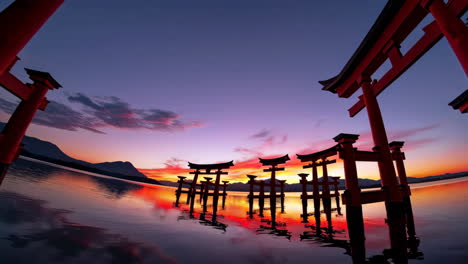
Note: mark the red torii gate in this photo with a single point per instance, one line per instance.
(397, 20)
(274, 162)
(204, 169)
(325, 196)
(401, 227)
(19, 22)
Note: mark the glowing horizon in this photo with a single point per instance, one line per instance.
(208, 83)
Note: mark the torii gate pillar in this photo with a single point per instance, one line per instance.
(379, 136)
(15, 129)
(394, 205)
(354, 217)
(20, 21)
(452, 27)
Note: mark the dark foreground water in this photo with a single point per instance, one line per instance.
(52, 215)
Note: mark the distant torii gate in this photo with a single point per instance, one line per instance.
(19, 22)
(204, 169)
(325, 196)
(273, 184)
(316, 196)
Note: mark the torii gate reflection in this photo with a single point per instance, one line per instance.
(19, 22)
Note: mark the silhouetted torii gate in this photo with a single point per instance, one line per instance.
(204, 169)
(325, 195)
(19, 22)
(273, 184)
(401, 227)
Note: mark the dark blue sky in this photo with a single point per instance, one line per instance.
(208, 75)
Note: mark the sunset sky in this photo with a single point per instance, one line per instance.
(160, 83)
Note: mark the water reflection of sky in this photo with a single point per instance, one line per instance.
(51, 215)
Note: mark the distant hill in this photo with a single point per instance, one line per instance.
(124, 167)
(45, 148)
(47, 151)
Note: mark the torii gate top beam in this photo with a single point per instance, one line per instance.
(41, 76)
(461, 102)
(318, 155)
(217, 166)
(368, 56)
(396, 21)
(274, 161)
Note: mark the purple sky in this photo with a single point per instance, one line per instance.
(214, 80)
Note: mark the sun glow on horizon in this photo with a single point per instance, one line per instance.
(366, 170)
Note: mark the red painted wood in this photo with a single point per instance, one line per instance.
(453, 28)
(20, 21)
(409, 16)
(349, 163)
(379, 136)
(15, 86)
(432, 34)
(19, 122)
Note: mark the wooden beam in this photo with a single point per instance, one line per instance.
(360, 155)
(464, 108)
(15, 86)
(326, 162)
(408, 17)
(318, 155)
(208, 173)
(273, 169)
(431, 36)
(316, 164)
(395, 156)
(44, 104)
(371, 197)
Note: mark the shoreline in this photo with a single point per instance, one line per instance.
(425, 183)
(90, 173)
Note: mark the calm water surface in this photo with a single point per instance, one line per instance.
(53, 215)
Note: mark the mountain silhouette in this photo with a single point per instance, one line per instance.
(47, 151)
